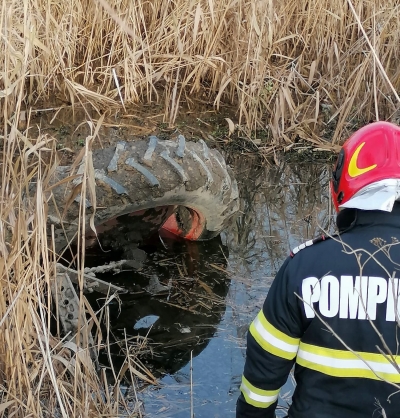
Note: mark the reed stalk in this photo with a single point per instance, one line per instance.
(303, 69)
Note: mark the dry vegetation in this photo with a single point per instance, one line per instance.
(297, 69)
(42, 373)
(302, 69)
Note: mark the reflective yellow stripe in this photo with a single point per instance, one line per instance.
(273, 340)
(258, 397)
(343, 363)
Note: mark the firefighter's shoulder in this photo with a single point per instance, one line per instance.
(309, 243)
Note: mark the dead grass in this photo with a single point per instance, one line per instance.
(300, 68)
(42, 373)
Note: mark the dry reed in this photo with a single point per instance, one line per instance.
(299, 68)
(42, 374)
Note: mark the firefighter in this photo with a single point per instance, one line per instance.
(332, 311)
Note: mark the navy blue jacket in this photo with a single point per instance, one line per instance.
(332, 312)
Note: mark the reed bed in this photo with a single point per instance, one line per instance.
(42, 374)
(302, 69)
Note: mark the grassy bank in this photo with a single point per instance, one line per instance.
(300, 68)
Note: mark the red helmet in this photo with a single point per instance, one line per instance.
(371, 154)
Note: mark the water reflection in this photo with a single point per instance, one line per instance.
(175, 302)
(280, 207)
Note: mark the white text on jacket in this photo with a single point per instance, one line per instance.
(349, 297)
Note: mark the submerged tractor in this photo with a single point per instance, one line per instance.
(118, 197)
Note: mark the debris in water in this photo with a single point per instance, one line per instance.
(185, 330)
(155, 287)
(146, 322)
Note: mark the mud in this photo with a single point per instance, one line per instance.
(67, 124)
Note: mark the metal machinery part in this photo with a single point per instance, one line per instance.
(72, 317)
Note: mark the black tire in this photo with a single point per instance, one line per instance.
(144, 174)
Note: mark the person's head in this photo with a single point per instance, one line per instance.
(367, 171)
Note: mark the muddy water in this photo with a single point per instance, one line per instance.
(213, 290)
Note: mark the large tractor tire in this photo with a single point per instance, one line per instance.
(184, 187)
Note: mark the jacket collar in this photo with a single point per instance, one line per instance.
(349, 218)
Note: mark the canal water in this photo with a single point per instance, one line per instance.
(196, 300)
